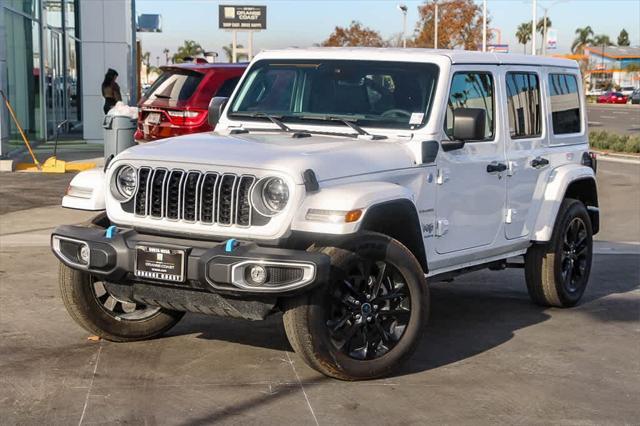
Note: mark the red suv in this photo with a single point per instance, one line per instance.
(177, 102)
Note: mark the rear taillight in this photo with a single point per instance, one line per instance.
(589, 159)
(186, 118)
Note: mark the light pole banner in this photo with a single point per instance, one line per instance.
(552, 38)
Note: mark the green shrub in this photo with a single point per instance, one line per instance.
(605, 141)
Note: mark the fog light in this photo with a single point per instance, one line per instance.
(84, 253)
(258, 274)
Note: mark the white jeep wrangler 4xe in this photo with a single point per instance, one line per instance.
(337, 183)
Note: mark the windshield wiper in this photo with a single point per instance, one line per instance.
(161, 96)
(351, 122)
(273, 118)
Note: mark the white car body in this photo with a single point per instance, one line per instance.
(467, 217)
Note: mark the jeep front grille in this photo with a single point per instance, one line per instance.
(194, 196)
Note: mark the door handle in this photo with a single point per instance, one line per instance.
(495, 167)
(539, 162)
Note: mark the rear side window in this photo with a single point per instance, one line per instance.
(175, 86)
(565, 103)
(227, 87)
(523, 105)
(471, 90)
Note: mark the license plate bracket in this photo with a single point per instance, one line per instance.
(160, 263)
(153, 118)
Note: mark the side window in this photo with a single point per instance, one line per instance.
(227, 87)
(565, 103)
(471, 90)
(523, 105)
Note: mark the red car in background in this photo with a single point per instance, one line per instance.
(177, 102)
(612, 98)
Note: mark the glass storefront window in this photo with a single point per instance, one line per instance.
(30, 7)
(74, 98)
(53, 13)
(23, 73)
(71, 17)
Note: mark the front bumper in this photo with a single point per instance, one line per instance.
(212, 267)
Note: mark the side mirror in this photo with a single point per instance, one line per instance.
(216, 106)
(468, 125)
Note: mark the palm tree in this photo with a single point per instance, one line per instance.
(146, 60)
(189, 49)
(166, 55)
(540, 25)
(602, 40)
(524, 34)
(583, 39)
(228, 50)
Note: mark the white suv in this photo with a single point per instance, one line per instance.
(337, 184)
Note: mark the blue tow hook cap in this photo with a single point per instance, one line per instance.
(230, 245)
(110, 232)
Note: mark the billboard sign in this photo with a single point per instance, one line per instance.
(149, 23)
(552, 38)
(498, 48)
(242, 17)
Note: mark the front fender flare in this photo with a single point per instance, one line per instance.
(360, 195)
(555, 190)
(86, 191)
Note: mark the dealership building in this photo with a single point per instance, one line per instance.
(53, 57)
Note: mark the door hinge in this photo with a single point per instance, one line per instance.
(512, 166)
(442, 227)
(443, 176)
(509, 215)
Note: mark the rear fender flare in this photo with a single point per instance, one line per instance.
(556, 189)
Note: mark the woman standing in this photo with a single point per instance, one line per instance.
(110, 90)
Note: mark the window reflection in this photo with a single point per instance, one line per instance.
(23, 73)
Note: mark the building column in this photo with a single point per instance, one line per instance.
(4, 113)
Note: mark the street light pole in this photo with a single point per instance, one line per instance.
(403, 9)
(544, 31)
(533, 28)
(435, 30)
(484, 25)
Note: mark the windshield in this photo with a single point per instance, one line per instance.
(369, 93)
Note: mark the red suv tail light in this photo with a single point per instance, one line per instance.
(186, 118)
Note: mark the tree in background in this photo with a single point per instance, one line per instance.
(523, 34)
(166, 55)
(189, 49)
(354, 35)
(602, 40)
(146, 60)
(459, 25)
(623, 38)
(582, 40)
(540, 25)
(228, 50)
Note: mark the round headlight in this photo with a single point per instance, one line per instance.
(275, 194)
(126, 181)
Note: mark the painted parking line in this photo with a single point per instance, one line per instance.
(620, 112)
(607, 116)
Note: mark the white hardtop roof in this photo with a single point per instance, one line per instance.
(415, 55)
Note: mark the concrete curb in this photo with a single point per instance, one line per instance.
(618, 158)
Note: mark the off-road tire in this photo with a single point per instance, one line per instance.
(84, 308)
(304, 316)
(543, 262)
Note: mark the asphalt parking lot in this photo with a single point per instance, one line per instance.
(623, 119)
(488, 355)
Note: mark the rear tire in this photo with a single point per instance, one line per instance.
(95, 310)
(369, 318)
(557, 272)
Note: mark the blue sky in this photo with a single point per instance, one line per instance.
(305, 22)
